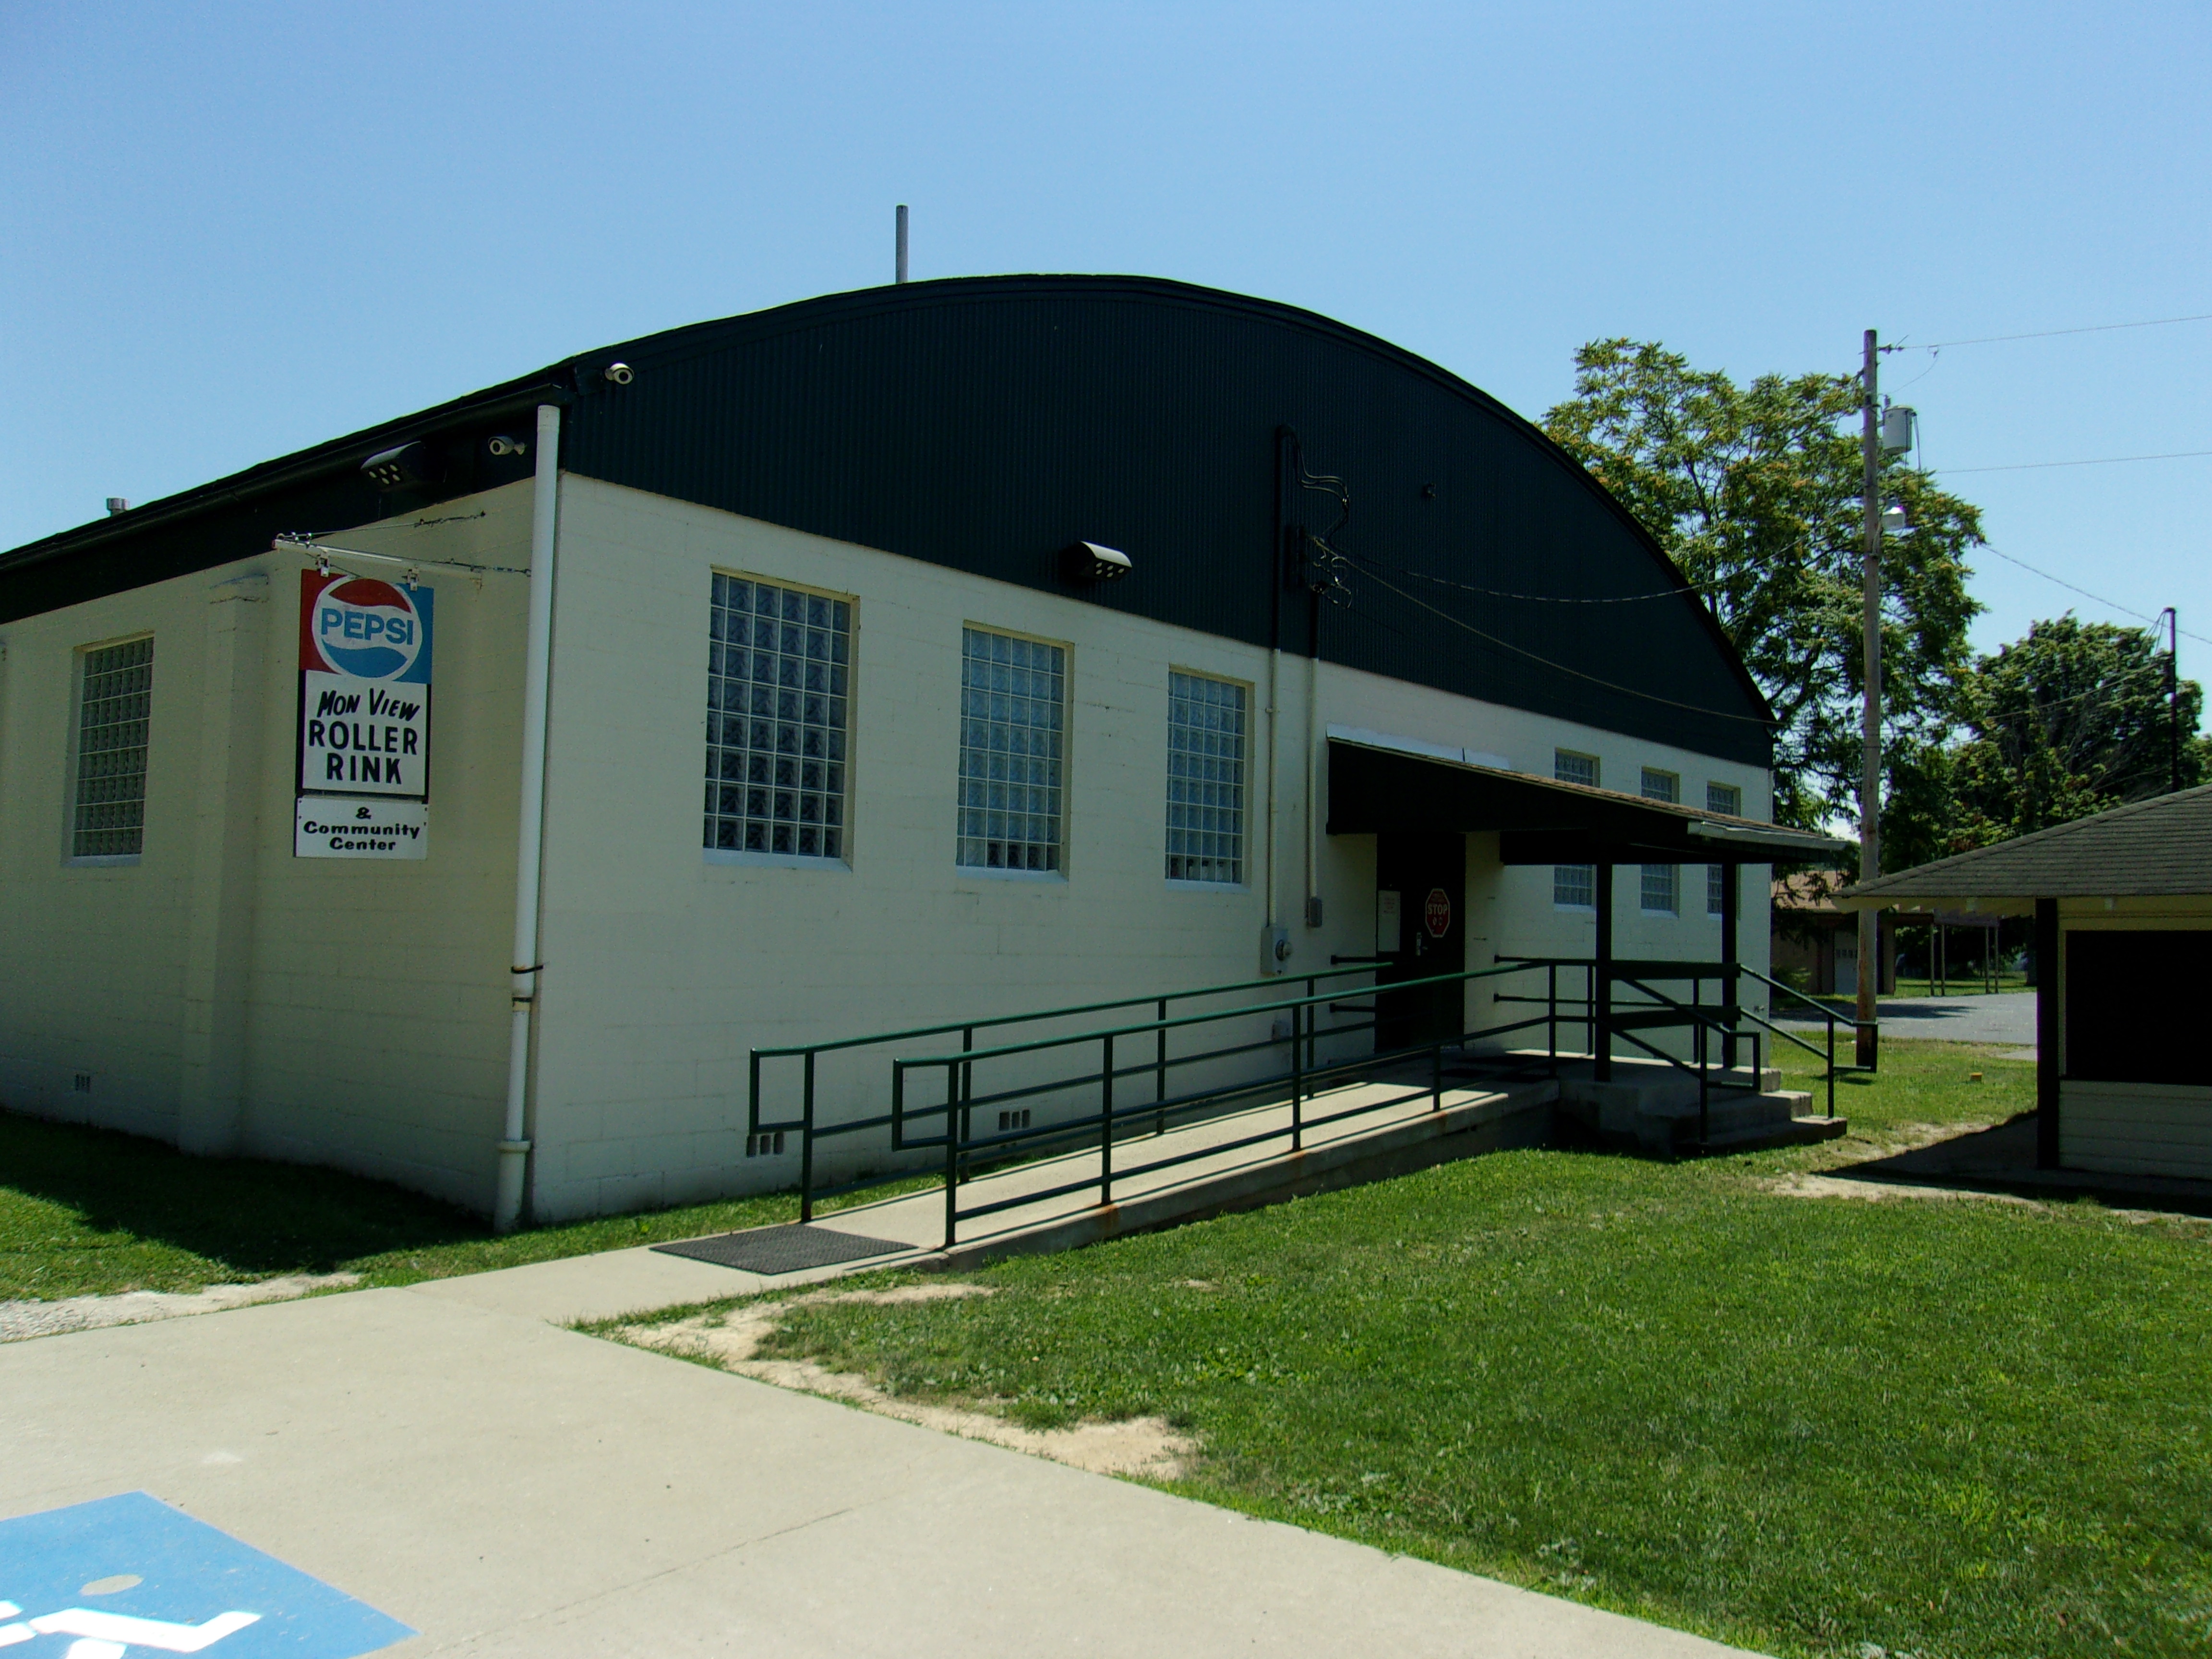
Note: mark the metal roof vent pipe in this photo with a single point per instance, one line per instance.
(116, 506)
(901, 266)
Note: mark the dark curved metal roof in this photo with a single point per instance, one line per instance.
(984, 423)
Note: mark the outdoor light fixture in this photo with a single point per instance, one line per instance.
(1892, 520)
(408, 464)
(1082, 563)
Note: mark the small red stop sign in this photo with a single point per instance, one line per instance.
(1435, 912)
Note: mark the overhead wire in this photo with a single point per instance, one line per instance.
(2110, 604)
(2096, 460)
(1539, 599)
(1577, 673)
(2049, 333)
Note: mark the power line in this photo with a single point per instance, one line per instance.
(2100, 461)
(1507, 645)
(1542, 598)
(2053, 333)
(2110, 604)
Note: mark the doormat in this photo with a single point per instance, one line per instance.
(788, 1249)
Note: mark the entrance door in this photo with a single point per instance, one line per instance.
(1427, 875)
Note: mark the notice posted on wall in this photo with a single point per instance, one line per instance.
(364, 715)
(351, 827)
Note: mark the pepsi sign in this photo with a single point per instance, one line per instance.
(365, 656)
(364, 628)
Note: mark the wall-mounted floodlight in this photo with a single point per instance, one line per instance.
(1896, 423)
(1083, 562)
(408, 464)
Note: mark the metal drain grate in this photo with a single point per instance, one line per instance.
(782, 1249)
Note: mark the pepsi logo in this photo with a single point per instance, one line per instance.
(367, 628)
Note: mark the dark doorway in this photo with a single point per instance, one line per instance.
(1426, 874)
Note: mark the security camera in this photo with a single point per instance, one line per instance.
(504, 444)
(620, 373)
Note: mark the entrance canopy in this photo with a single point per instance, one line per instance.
(1376, 785)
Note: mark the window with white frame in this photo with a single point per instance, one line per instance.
(115, 699)
(1728, 800)
(1662, 882)
(1574, 886)
(1013, 719)
(1205, 779)
(779, 683)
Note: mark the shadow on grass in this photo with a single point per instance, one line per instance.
(255, 1215)
(2002, 1159)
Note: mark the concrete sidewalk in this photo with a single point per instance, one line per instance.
(510, 1487)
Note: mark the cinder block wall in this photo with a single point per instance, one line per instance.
(664, 968)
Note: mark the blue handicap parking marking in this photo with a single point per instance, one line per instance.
(128, 1577)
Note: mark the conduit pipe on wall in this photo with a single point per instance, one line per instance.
(537, 672)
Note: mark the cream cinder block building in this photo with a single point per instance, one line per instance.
(918, 654)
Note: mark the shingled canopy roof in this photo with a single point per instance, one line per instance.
(2154, 848)
(1377, 783)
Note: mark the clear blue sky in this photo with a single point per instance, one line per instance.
(234, 230)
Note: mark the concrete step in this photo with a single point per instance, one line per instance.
(1797, 1131)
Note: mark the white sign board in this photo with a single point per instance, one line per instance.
(364, 715)
(352, 827)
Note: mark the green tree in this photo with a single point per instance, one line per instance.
(2070, 721)
(1754, 492)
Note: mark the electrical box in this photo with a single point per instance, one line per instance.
(1897, 422)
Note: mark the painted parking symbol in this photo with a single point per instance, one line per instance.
(129, 1578)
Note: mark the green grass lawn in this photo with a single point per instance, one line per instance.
(89, 1212)
(1937, 1426)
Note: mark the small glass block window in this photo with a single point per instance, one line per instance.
(1662, 882)
(1205, 779)
(1575, 884)
(114, 705)
(1727, 799)
(779, 682)
(1014, 717)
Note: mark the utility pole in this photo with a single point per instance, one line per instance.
(1870, 721)
(2172, 699)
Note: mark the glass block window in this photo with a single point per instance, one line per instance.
(1724, 797)
(779, 667)
(1013, 719)
(1205, 779)
(1575, 884)
(114, 704)
(1662, 882)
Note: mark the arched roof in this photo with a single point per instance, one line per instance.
(985, 423)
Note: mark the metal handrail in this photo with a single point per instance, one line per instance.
(959, 1140)
(806, 1053)
(1624, 968)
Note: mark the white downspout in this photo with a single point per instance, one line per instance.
(537, 676)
